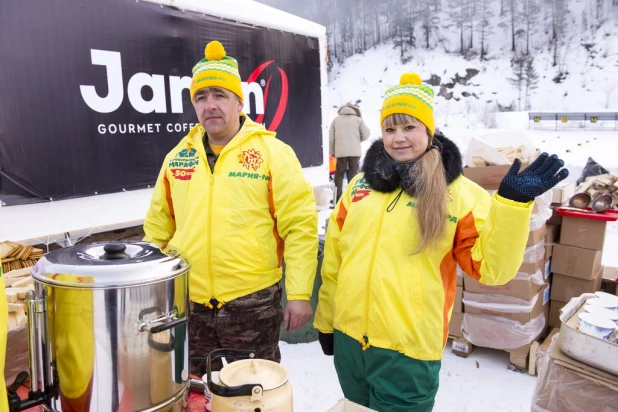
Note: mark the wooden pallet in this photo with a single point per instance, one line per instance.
(517, 362)
(528, 362)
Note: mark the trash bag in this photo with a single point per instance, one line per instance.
(592, 169)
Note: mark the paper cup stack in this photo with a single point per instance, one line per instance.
(600, 317)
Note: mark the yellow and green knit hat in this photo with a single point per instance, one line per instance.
(216, 70)
(410, 97)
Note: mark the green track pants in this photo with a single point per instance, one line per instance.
(385, 380)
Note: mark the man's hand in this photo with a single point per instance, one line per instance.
(297, 313)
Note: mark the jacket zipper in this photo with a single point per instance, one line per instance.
(211, 273)
(365, 339)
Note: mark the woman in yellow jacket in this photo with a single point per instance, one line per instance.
(393, 244)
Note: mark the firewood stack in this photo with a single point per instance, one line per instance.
(17, 262)
(599, 185)
(509, 152)
(18, 256)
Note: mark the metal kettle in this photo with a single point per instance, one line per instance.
(249, 385)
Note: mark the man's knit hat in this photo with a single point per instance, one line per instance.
(410, 97)
(216, 70)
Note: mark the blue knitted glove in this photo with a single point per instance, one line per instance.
(543, 174)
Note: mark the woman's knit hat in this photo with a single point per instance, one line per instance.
(410, 97)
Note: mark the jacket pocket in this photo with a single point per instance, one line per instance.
(256, 247)
(412, 291)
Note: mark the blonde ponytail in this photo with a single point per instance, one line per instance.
(429, 180)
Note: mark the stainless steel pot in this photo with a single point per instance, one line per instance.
(108, 328)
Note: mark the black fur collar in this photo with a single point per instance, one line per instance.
(385, 175)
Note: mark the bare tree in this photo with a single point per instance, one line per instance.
(513, 12)
(609, 94)
(517, 81)
(558, 14)
(531, 79)
(484, 25)
(430, 22)
(457, 14)
(531, 12)
(472, 14)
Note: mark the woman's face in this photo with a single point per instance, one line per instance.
(406, 142)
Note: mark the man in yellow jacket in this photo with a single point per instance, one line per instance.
(233, 200)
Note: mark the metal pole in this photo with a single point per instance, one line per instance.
(33, 348)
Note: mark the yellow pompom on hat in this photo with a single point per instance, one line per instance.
(216, 69)
(412, 97)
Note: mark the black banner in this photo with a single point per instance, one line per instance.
(93, 94)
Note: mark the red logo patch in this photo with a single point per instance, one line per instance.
(283, 98)
(252, 159)
(360, 195)
(183, 174)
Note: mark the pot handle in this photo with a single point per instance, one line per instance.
(169, 346)
(148, 311)
(169, 325)
(229, 391)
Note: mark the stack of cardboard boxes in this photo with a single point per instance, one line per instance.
(532, 283)
(576, 263)
(530, 287)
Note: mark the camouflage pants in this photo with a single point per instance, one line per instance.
(250, 322)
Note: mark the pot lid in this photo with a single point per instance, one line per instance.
(267, 373)
(108, 264)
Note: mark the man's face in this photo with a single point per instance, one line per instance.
(218, 112)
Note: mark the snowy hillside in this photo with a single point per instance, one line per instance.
(363, 78)
(466, 49)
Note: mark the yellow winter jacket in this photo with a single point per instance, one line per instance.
(235, 225)
(374, 289)
(4, 326)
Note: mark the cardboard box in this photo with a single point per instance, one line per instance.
(554, 312)
(454, 327)
(563, 288)
(576, 262)
(536, 236)
(488, 177)
(17, 353)
(458, 306)
(518, 288)
(555, 218)
(462, 347)
(553, 234)
(345, 405)
(562, 192)
(569, 385)
(608, 280)
(584, 233)
(549, 252)
(523, 318)
(532, 268)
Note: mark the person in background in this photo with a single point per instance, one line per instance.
(347, 131)
(233, 200)
(392, 248)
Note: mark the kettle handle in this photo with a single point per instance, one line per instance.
(229, 391)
